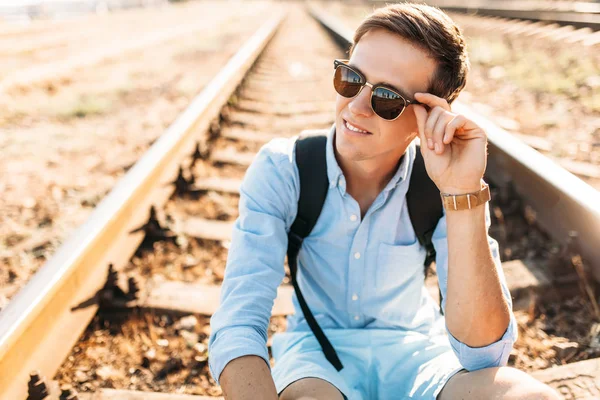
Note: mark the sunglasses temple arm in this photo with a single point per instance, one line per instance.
(415, 102)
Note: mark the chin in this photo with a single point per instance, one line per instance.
(348, 150)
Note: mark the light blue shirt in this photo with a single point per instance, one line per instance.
(353, 273)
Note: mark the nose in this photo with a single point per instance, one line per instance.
(361, 103)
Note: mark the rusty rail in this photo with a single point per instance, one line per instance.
(39, 326)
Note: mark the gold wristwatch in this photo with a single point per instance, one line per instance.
(467, 201)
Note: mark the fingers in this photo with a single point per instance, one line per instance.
(439, 126)
(432, 100)
(444, 129)
(438, 133)
(456, 123)
(421, 116)
(439, 113)
(435, 115)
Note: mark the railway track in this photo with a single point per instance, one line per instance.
(570, 22)
(161, 237)
(569, 26)
(578, 15)
(535, 30)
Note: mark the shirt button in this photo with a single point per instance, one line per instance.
(356, 317)
(354, 297)
(353, 218)
(357, 255)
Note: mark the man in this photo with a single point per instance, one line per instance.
(361, 269)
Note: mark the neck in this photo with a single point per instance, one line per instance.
(367, 178)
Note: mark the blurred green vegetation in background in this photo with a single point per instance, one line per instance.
(542, 67)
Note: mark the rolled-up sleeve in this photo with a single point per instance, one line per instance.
(255, 263)
(495, 354)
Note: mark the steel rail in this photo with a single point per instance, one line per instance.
(563, 202)
(38, 327)
(563, 18)
(578, 19)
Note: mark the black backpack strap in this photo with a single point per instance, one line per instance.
(314, 184)
(425, 209)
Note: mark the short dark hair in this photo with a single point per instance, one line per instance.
(432, 30)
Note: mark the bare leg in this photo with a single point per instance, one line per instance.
(311, 389)
(504, 383)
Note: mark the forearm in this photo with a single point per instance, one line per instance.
(476, 311)
(248, 378)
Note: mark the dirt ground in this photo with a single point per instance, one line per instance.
(147, 352)
(65, 142)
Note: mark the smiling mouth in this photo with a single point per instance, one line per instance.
(353, 128)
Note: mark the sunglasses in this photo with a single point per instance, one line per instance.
(385, 102)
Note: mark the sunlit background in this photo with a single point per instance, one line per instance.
(86, 87)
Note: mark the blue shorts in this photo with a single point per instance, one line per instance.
(378, 363)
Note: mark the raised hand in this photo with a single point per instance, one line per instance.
(454, 148)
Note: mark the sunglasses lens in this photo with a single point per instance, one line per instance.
(346, 82)
(387, 104)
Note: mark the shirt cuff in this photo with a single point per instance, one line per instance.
(231, 343)
(493, 355)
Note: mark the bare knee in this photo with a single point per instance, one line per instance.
(539, 392)
(522, 386)
(311, 389)
(504, 383)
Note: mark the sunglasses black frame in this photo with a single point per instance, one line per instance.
(344, 63)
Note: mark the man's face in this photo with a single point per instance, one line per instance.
(388, 59)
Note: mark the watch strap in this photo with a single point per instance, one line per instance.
(467, 201)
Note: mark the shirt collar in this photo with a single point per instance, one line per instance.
(333, 169)
(334, 172)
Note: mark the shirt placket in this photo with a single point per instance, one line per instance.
(357, 254)
(356, 265)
